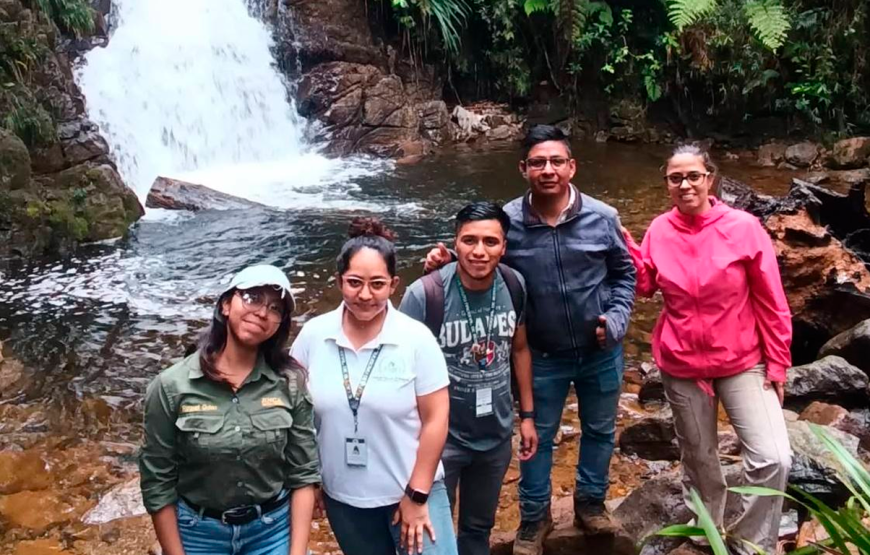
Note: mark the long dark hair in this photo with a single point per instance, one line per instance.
(274, 349)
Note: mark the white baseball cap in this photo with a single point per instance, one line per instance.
(263, 275)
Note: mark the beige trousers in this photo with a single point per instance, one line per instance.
(760, 426)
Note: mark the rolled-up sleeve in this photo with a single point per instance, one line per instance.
(301, 452)
(158, 460)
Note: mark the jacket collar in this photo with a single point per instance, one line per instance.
(531, 217)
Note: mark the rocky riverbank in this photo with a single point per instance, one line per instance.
(58, 185)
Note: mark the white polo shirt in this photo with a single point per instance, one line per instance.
(410, 365)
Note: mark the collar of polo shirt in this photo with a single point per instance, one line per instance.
(391, 333)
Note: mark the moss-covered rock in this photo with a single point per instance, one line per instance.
(14, 162)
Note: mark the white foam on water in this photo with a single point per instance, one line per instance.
(188, 88)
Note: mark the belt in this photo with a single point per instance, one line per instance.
(243, 514)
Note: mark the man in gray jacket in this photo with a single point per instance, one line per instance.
(580, 281)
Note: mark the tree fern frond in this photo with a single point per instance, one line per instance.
(683, 13)
(532, 6)
(769, 20)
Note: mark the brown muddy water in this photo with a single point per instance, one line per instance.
(89, 331)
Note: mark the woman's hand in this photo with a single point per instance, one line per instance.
(414, 521)
(779, 387)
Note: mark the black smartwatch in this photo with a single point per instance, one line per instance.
(416, 496)
(527, 414)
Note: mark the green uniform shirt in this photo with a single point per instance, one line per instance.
(220, 449)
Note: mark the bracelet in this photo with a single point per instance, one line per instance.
(527, 414)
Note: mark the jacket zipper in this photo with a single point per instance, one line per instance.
(562, 288)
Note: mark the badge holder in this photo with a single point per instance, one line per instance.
(356, 452)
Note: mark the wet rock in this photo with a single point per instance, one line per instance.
(771, 154)
(469, 123)
(602, 136)
(84, 144)
(851, 153)
(122, 501)
(826, 283)
(729, 443)
(802, 155)
(824, 414)
(652, 390)
(659, 503)
(828, 379)
(853, 345)
(652, 438)
(434, 121)
(814, 468)
(14, 162)
(21, 471)
(39, 510)
(173, 194)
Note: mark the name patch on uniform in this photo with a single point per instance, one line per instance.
(272, 402)
(197, 408)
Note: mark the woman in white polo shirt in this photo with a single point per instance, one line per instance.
(379, 384)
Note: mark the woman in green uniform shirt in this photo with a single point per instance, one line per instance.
(229, 459)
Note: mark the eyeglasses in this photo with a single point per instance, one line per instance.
(253, 301)
(556, 162)
(694, 178)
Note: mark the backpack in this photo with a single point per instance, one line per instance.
(433, 287)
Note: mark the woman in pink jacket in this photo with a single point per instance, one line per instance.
(723, 336)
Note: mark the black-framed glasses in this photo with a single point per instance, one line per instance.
(557, 163)
(694, 178)
(254, 300)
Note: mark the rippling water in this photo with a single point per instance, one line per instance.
(103, 322)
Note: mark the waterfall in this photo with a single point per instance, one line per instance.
(189, 87)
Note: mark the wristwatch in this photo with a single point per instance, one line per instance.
(527, 414)
(417, 496)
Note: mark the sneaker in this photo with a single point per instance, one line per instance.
(592, 517)
(531, 535)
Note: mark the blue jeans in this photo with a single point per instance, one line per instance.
(201, 535)
(597, 378)
(371, 532)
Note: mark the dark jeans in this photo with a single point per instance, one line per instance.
(479, 475)
(371, 531)
(597, 379)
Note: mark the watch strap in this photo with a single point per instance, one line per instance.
(416, 496)
(527, 414)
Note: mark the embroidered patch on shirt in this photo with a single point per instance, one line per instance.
(272, 402)
(197, 408)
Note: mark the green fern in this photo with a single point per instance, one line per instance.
(683, 13)
(71, 16)
(532, 6)
(768, 20)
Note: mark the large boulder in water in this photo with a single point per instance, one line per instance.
(826, 282)
(174, 194)
(829, 379)
(802, 155)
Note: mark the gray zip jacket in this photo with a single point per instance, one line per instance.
(574, 273)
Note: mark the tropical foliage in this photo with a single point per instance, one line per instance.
(729, 61)
(846, 527)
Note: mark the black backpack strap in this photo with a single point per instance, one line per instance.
(433, 287)
(515, 288)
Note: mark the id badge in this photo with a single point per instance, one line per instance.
(355, 452)
(483, 402)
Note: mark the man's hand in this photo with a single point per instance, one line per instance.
(437, 258)
(779, 387)
(601, 331)
(528, 439)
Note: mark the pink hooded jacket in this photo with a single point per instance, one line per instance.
(725, 310)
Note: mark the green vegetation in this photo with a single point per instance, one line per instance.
(728, 61)
(846, 527)
(75, 17)
(24, 109)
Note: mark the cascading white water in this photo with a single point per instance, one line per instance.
(187, 88)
